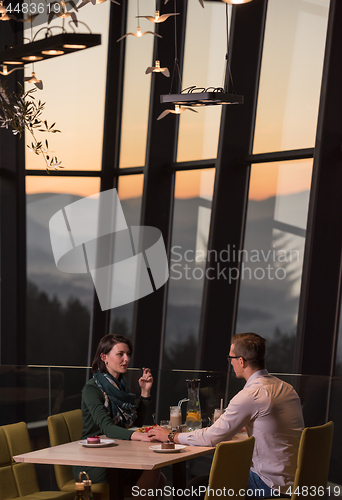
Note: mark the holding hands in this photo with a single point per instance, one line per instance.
(145, 382)
(158, 434)
(154, 434)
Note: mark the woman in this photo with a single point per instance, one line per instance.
(109, 408)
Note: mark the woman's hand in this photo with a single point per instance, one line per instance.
(140, 436)
(146, 382)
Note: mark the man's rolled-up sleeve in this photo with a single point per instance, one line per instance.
(239, 412)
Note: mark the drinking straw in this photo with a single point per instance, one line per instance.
(221, 407)
(181, 401)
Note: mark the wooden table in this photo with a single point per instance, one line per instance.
(123, 455)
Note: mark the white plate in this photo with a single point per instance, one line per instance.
(103, 442)
(158, 449)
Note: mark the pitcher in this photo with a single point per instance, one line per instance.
(193, 410)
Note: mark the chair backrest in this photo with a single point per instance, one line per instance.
(230, 468)
(313, 461)
(64, 428)
(16, 479)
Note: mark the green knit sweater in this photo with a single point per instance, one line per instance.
(96, 419)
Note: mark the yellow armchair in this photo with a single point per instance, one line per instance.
(230, 468)
(313, 462)
(65, 428)
(18, 481)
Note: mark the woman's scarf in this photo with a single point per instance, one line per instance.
(119, 402)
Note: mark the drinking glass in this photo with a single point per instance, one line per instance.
(165, 424)
(175, 417)
(217, 414)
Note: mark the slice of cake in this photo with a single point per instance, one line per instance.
(168, 446)
(93, 440)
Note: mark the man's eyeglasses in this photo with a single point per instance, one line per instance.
(235, 357)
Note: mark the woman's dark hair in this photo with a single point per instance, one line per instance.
(106, 344)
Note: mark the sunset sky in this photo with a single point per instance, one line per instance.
(74, 88)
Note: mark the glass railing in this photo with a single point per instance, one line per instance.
(32, 393)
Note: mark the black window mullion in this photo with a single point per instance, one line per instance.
(12, 225)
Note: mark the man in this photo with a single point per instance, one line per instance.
(268, 408)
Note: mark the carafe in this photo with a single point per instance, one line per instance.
(87, 486)
(80, 493)
(193, 409)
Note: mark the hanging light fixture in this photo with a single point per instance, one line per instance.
(210, 96)
(5, 71)
(48, 47)
(159, 18)
(33, 79)
(204, 98)
(139, 32)
(157, 69)
(177, 111)
(7, 17)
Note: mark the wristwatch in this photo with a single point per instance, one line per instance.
(171, 437)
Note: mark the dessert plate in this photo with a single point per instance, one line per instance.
(103, 442)
(158, 449)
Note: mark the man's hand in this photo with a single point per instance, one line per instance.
(158, 434)
(146, 382)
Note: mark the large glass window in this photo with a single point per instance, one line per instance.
(58, 303)
(204, 66)
(272, 258)
(74, 93)
(130, 190)
(291, 74)
(136, 97)
(191, 220)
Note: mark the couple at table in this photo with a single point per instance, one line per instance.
(267, 407)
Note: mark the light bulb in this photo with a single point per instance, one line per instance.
(177, 109)
(53, 52)
(32, 58)
(139, 31)
(74, 46)
(157, 67)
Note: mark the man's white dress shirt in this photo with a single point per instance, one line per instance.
(270, 410)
